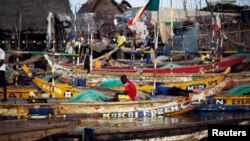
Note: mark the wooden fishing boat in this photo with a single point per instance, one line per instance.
(189, 85)
(21, 92)
(202, 68)
(131, 109)
(42, 88)
(54, 90)
(227, 103)
(236, 99)
(67, 72)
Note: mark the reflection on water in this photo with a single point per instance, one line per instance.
(206, 116)
(182, 127)
(185, 118)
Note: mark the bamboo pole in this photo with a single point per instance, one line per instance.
(19, 40)
(42, 53)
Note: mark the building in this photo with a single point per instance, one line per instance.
(39, 23)
(98, 16)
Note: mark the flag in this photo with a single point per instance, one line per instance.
(152, 5)
(217, 24)
(138, 15)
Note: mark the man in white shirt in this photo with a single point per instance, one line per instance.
(2, 74)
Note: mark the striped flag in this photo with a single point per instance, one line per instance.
(151, 5)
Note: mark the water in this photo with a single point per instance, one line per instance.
(178, 119)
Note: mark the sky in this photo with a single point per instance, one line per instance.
(191, 4)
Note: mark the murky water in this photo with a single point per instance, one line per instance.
(185, 118)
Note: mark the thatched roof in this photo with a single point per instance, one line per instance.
(93, 6)
(125, 5)
(33, 14)
(104, 12)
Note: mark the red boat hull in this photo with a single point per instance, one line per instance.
(219, 66)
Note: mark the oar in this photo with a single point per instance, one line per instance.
(106, 55)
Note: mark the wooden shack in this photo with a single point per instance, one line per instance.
(97, 16)
(25, 23)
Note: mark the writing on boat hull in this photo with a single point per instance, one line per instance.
(154, 112)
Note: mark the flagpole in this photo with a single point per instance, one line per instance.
(151, 5)
(172, 43)
(156, 48)
(18, 48)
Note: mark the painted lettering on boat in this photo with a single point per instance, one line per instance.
(220, 102)
(196, 86)
(202, 86)
(213, 83)
(217, 101)
(153, 112)
(50, 88)
(240, 101)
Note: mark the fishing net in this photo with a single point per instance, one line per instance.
(239, 90)
(169, 66)
(184, 40)
(10, 74)
(89, 96)
(111, 83)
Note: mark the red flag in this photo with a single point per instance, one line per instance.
(217, 24)
(138, 15)
(151, 5)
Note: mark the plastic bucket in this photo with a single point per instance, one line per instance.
(98, 64)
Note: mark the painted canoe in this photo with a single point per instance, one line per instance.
(219, 66)
(67, 73)
(203, 68)
(236, 99)
(189, 85)
(20, 92)
(227, 103)
(67, 91)
(51, 88)
(46, 86)
(24, 91)
(131, 109)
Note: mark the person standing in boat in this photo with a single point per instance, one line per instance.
(2, 73)
(205, 57)
(86, 58)
(121, 40)
(130, 90)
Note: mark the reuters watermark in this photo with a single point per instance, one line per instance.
(226, 131)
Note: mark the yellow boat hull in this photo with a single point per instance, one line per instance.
(190, 85)
(54, 90)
